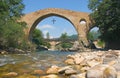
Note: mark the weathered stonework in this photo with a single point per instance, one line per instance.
(32, 19)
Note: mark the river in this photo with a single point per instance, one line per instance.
(25, 63)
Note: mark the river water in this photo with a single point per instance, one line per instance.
(25, 63)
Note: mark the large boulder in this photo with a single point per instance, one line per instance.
(118, 74)
(94, 73)
(117, 66)
(110, 72)
(101, 71)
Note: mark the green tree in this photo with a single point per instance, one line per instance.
(11, 31)
(37, 37)
(11, 8)
(64, 36)
(66, 45)
(64, 42)
(106, 16)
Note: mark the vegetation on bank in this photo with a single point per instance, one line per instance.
(41, 43)
(11, 31)
(106, 16)
(38, 39)
(64, 43)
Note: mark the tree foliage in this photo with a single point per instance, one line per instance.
(11, 31)
(64, 42)
(64, 36)
(11, 8)
(38, 39)
(106, 15)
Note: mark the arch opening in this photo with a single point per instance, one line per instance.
(40, 19)
(83, 21)
(47, 16)
(94, 38)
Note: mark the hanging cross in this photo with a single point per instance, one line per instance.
(53, 20)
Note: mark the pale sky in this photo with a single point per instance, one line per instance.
(61, 25)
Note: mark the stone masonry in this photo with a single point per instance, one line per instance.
(75, 18)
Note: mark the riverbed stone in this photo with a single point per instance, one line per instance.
(50, 76)
(110, 72)
(92, 63)
(100, 54)
(23, 71)
(77, 67)
(11, 74)
(101, 71)
(70, 72)
(118, 74)
(38, 72)
(84, 69)
(81, 75)
(109, 57)
(3, 52)
(63, 69)
(84, 63)
(94, 73)
(53, 70)
(69, 61)
(26, 76)
(78, 60)
(70, 56)
(117, 67)
(111, 63)
(73, 76)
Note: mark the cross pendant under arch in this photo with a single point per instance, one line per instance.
(53, 20)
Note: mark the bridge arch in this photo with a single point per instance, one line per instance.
(46, 16)
(32, 19)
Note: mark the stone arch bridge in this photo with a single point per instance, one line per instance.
(56, 41)
(80, 21)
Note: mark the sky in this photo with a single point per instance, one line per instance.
(60, 25)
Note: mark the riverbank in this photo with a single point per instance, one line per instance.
(95, 64)
(14, 51)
